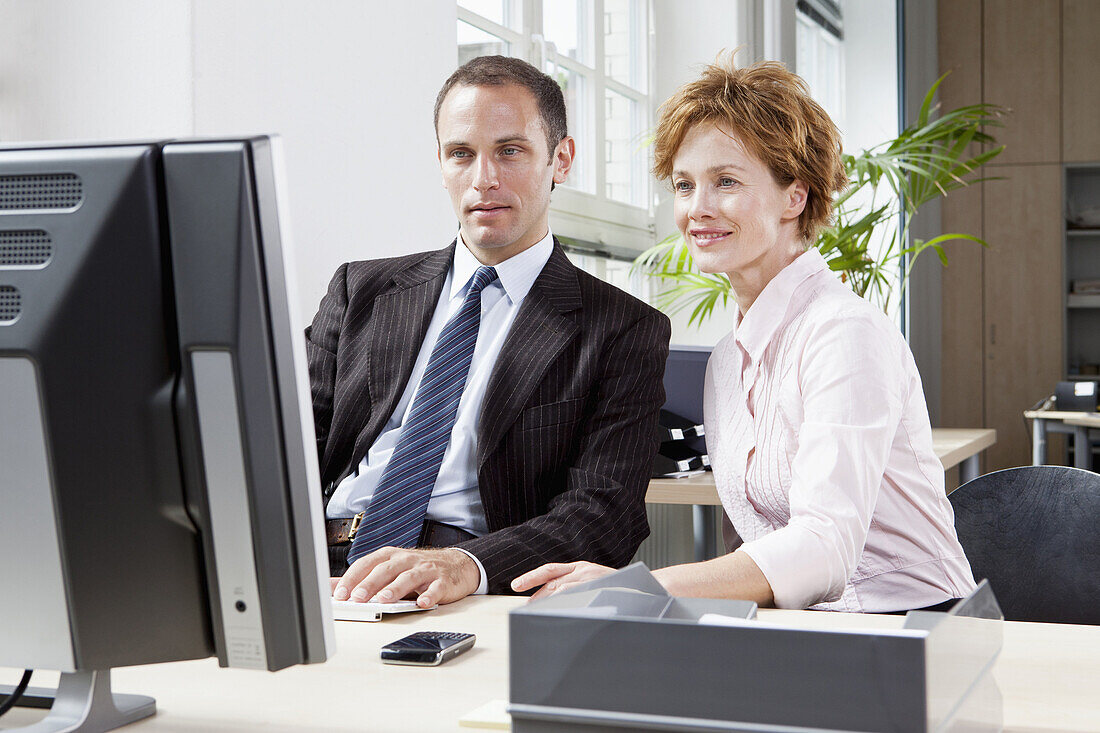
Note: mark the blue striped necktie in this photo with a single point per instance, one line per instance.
(396, 512)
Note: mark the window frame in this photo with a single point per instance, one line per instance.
(824, 34)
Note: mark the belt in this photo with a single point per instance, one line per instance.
(434, 534)
(342, 531)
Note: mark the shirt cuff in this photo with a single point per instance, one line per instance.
(483, 584)
(798, 566)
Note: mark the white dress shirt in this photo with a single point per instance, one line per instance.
(819, 437)
(455, 499)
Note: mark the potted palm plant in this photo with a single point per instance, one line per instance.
(870, 241)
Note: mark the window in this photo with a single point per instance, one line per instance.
(850, 64)
(819, 54)
(489, 27)
(614, 270)
(598, 51)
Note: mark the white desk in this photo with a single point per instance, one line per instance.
(1048, 674)
(953, 446)
(1077, 424)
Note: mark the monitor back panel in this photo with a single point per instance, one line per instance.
(685, 372)
(90, 484)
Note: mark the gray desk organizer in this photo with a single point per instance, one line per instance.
(621, 654)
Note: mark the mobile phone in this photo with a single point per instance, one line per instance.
(427, 648)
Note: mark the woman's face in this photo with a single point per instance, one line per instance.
(734, 216)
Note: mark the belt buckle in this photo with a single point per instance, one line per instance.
(355, 522)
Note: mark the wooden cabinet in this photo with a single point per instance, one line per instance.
(1022, 287)
(1022, 70)
(962, 392)
(1081, 91)
(959, 39)
(1009, 331)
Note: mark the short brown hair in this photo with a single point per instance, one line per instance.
(492, 71)
(771, 112)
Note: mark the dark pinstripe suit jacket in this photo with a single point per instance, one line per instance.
(567, 432)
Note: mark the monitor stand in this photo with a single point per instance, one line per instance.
(83, 702)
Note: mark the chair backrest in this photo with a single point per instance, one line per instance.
(1035, 533)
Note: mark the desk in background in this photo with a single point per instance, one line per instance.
(1047, 674)
(1077, 424)
(954, 447)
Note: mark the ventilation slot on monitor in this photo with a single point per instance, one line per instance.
(25, 248)
(40, 191)
(11, 304)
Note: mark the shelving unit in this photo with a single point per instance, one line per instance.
(1082, 301)
(1081, 230)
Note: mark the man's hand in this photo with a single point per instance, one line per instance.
(558, 575)
(391, 573)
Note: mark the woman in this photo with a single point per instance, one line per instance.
(815, 417)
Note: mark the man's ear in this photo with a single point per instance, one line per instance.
(798, 195)
(563, 159)
(439, 158)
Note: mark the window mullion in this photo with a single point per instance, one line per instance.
(482, 23)
(623, 89)
(649, 108)
(573, 65)
(599, 107)
(532, 26)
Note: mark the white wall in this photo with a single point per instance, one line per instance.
(349, 84)
(112, 69)
(690, 35)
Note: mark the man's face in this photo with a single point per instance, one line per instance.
(497, 169)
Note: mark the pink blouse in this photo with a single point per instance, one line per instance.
(819, 437)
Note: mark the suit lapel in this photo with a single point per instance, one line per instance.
(540, 332)
(399, 320)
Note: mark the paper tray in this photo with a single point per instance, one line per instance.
(620, 653)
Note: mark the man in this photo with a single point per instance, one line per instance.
(488, 398)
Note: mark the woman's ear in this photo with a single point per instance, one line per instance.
(798, 195)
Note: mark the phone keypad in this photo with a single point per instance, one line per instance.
(442, 634)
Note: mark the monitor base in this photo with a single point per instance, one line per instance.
(83, 703)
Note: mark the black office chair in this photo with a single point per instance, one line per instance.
(1035, 533)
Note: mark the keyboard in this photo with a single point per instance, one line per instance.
(353, 611)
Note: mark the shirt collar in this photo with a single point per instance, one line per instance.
(517, 274)
(754, 330)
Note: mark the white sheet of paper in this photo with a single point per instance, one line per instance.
(493, 715)
(717, 619)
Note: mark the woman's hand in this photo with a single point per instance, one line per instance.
(558, 575)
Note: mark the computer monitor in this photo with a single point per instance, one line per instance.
(159, 489)
(685, 371)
